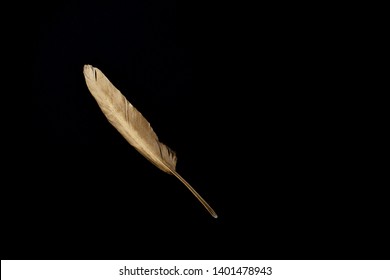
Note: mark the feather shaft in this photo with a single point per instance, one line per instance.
(195, 193)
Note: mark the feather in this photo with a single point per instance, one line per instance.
(133, 126)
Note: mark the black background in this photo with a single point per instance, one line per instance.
(248, 99)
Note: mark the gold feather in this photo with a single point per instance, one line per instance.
(133, 126)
